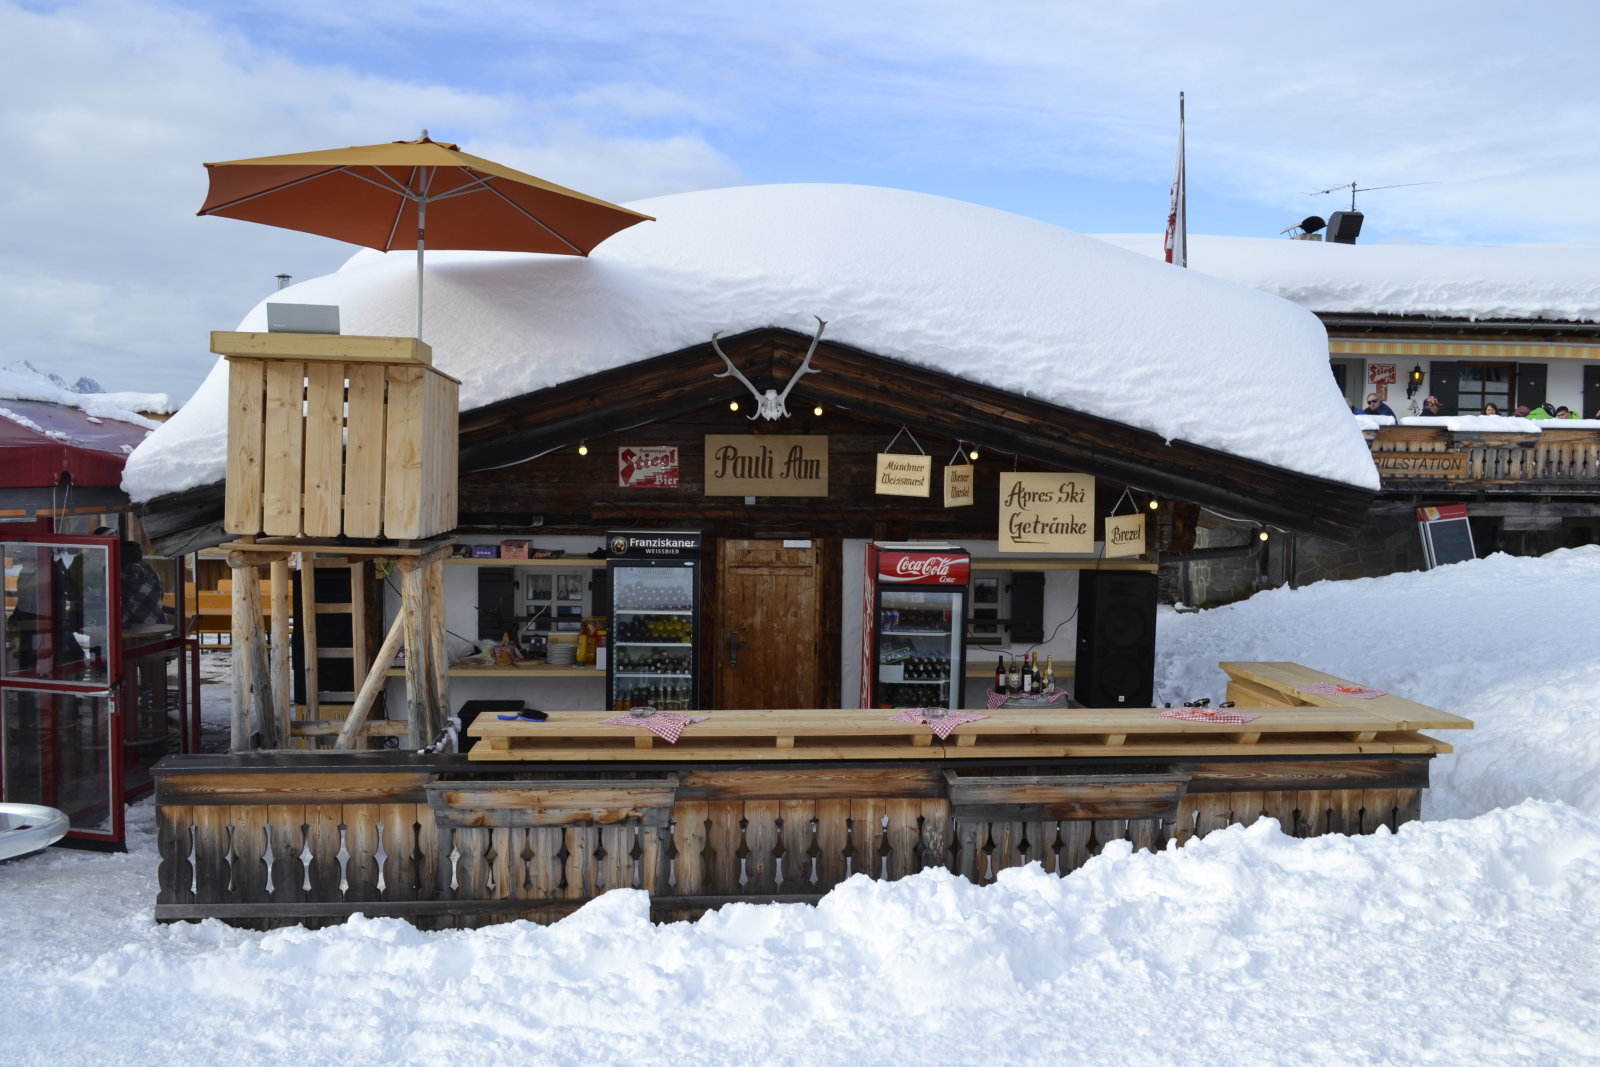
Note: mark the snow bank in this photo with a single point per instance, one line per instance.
(1455, 942)
(1000, 299)
(1506, 641)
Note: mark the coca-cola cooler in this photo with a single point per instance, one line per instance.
(913, 647)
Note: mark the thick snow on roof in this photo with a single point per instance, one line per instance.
(993, 297)
(23, 382)
(1544, 281)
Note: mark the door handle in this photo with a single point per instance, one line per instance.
(734, 645)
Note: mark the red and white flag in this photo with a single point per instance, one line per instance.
(1177, 241)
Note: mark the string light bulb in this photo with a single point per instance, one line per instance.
(817, 411)
(583, 448)
(972, 453)
(733, 405)
(1262, 535)
(1155, 505)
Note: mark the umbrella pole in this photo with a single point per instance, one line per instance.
(422, 212)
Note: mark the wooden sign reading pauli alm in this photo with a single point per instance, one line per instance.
(1046, 513)
(904, 475)
(958, 485)
(1124, 535)
(766, 465)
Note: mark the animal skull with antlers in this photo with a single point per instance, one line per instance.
(770, 405)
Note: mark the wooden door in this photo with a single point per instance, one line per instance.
(769, 624)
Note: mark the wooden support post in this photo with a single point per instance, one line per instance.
(371, 686)
(244, 577)
(419, 675)
(281, 610)
(308, 632)
(250, 658)
(440, 688)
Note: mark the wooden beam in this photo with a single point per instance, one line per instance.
(368, 692)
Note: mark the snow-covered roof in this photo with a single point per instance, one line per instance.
(1553, 282)
(23, 381)
(995, 298)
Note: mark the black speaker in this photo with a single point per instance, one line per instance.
(1116, 640)
(1344, 227)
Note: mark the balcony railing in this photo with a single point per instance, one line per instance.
(1433, 457)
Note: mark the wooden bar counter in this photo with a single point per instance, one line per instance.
(766, 806)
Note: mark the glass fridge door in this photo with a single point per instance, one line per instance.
(919, 651)
(652, 637)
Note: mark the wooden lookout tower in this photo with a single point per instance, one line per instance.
(338, 446)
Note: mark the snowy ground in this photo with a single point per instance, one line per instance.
(1469, 938)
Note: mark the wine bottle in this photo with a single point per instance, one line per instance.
(999, 675)
(1049, 673)
(1013, 678)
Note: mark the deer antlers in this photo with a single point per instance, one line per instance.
(770, 405)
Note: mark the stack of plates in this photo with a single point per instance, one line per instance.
(562, 653)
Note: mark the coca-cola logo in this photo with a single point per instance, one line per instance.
(927, 567)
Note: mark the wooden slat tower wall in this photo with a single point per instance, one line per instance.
(336, 437)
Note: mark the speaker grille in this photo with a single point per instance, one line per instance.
(1116, 640)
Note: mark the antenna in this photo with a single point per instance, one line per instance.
(1364, 189)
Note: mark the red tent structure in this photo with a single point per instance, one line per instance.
(92, 693)
(56, 459)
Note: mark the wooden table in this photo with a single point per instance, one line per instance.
(1286, 723)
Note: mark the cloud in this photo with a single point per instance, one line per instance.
(1065, 111)
(108, 109)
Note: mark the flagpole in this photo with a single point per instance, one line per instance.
(1183, 195)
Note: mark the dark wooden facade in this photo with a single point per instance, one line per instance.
(866, 399)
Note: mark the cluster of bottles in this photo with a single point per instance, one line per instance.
(917, 696)
(1027, 680)
(892, 620)
(657, 662)
(653, 596)
(932, 667)
(671, 628)
(663, 696)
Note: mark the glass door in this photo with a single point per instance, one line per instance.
(61, 736)
(652, 636)
(920, 647)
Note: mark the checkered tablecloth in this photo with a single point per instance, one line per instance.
(1360, 692)
(1050, 698)
(942, 721)
(1205, 715)
(667, 725)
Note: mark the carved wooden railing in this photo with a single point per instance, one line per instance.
(1546, 460)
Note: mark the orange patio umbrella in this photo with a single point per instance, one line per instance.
(426, 192)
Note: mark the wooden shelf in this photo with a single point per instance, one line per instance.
(566, 562)
(1057, 563)
(520, 670)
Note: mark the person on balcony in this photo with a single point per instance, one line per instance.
(1490, 408)
(1542, 412)
(1376, 406)
(1430, 407)
(1521, 411)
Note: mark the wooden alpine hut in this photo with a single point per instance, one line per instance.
(725, 532)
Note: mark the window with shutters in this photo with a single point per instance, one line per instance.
(1486, 383)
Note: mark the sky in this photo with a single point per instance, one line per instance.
(1470, 937)
(1061, 112)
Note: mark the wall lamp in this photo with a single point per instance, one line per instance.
(1415, 383)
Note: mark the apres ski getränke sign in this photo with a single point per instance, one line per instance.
(1046, 513)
